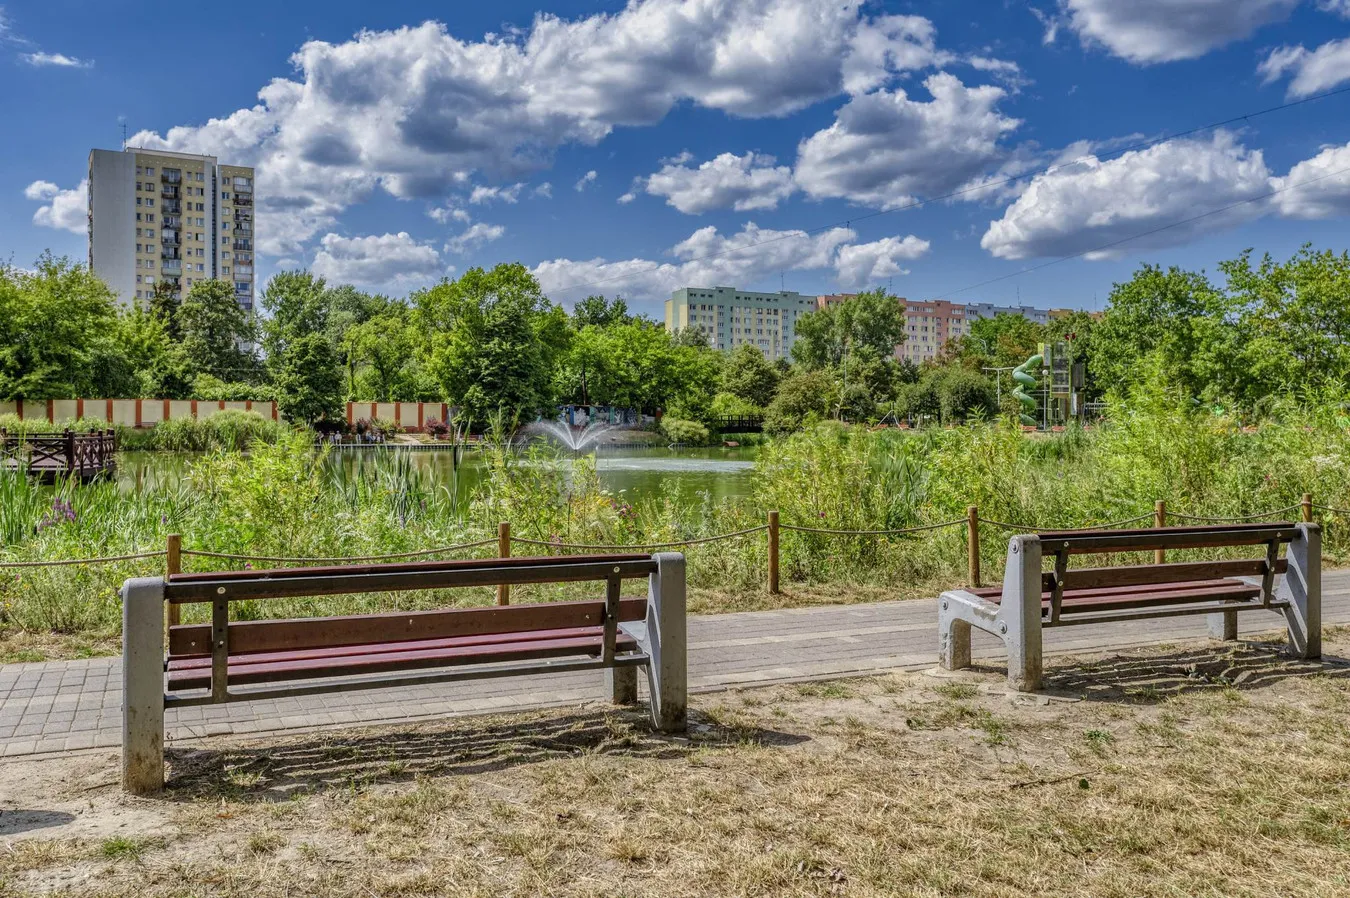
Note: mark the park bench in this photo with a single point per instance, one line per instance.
(1032, 599)
(250, 660)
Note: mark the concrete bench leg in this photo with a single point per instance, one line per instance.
(143, 685)
(953, 641)
(1020, 612)
(621, 683)
(1223, 625)
(667, 644)
(1302, 587)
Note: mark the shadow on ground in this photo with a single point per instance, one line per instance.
(13, 822)
(1144, 678)
(278, 769)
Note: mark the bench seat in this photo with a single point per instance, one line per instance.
(1154, 595)
(194, 671)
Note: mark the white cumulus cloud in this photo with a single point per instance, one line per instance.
(1152, 31)
(484, 194)
(884, 149)
(65, 210)
(473, 237)
(708, 257)
(868, 264)
(1076, 207)
(418, 111)
(1309, 71)
(1326, 186)
(1093, 203)
(59, 60)
(586, 180)
(394, 263)
(742, 183)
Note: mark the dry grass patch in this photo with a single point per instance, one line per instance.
(1201, 772)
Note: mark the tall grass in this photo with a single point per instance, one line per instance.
(286, 499)
(228, 429)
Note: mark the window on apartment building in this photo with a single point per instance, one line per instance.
(149, 278)
(138, 278)
(149, 169)
(138, 201)
(150, 216)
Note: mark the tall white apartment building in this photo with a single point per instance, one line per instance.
(731, 317)
(158, 217)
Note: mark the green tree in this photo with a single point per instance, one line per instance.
(825, 338)
(297, 305)
(601, 312)
(164, 305)
(55, 324)
(747, 375)
(383, 347)
(217, 333)
(308, 381)
(802, 399)
(1174, 314)
(494, 341)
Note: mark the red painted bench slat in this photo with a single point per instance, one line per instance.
(384, 662)
(187, 640)
(203, 662)
(1122, 599)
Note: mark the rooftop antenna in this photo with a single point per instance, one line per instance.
(782, 282)
(124, 135)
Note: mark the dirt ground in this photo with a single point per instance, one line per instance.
(1192, 770)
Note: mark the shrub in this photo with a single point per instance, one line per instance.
(437, 428)
(690, 433)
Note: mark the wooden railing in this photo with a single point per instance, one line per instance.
(68, 452)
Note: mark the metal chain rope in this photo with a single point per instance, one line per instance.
(417, 554)
(683, 542)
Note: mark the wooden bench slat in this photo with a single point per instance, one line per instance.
(995, 593)
(1176, 572)
(193, 662)
(309, 668)
(331, 632)
(1122, 598)
(399, 567)
(1079, 542)
(394, 578)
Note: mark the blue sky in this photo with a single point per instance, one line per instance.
(631, 148)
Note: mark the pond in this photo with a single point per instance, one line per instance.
(636, 474)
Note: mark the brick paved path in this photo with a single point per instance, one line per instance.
(67, 705)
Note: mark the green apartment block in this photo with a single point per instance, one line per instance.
(731, 317)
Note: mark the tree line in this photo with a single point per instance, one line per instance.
(491, 343)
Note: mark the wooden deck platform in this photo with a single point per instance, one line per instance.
(50, 457)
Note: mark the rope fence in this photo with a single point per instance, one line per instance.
(174, 551)
(422, 553)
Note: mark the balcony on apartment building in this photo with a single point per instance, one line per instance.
(171, 266)
(242, 188)
(171, 207)
(170, 252)
(243, 244)
(169, 238)
(171, 176)
(243, 200)
(168, 191)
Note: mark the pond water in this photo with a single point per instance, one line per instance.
(636, 474)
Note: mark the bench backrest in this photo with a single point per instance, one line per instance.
(221, 638)
(1060, 545)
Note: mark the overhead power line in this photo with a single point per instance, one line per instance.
(988, 185)
(1142, 234)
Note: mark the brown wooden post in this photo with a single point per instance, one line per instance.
(1306, 504)
(1160, 520)
(70, 451)
(973, 544)
(173, 564)
(503, 551)
(773, 553)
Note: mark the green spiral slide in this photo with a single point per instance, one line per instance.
(1026, 381)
